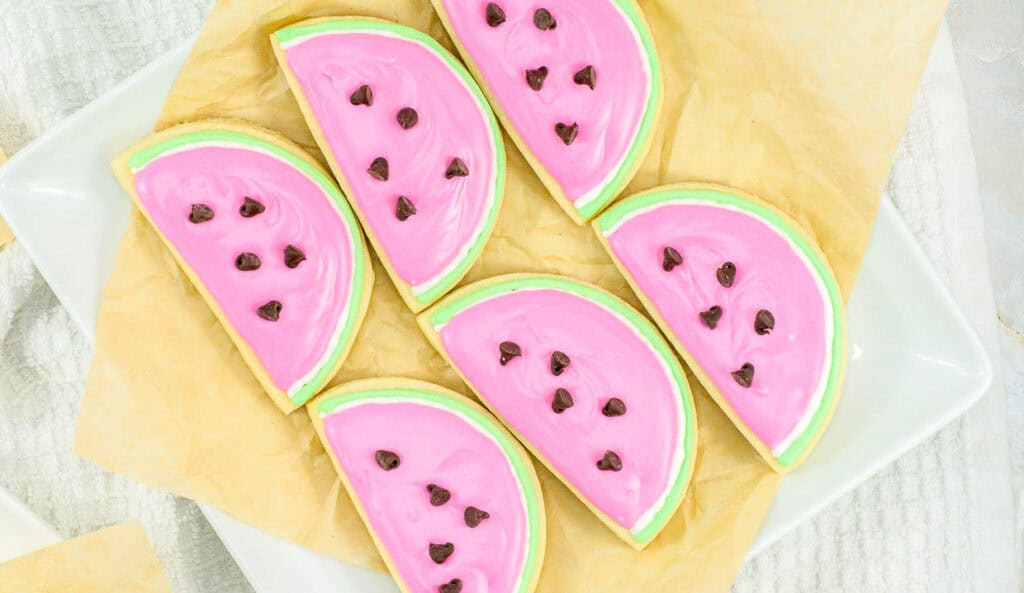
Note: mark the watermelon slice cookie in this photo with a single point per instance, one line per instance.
(747, 298)
(451, 499)
(575, 82)
(409, 136)
(586, 383)
(267, 239)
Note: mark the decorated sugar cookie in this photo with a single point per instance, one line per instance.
(586, 383)
(575, 82)
(747, 298)
(451, 499)
(411, 139)
(266, 238)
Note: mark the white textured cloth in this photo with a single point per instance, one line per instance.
(929, 523)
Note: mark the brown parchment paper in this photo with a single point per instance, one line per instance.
(117, 559)
(799, 102)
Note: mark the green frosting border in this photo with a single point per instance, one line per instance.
(484, 423)
(612, 189)
(452, 306)
(617, 213)
(143, 157)
(449, 280)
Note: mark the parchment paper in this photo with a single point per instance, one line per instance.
(5, 231)
(117, 559)
(802, 103)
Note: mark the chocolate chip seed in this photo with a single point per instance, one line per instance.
(567, 133)
(407, 117)
(745, 375)
(270, 311)
(562, 401)
(440, 552)
(293, 256)
(670, 258)
(404, 209)
(200, 213)
(250, 208)
(610, 462)
(614, 407)
(559, 360)
(387, 460)
(726, 274)
(509, 350)
(474, 516)
(438, 495)
(543, 20)
(247, 262)
(586, 76)
(456, 168)
(362, 96)
(711, 316)
(764, 323)
(535, 78)
(495, 15)
(379, 169)
(452, 586)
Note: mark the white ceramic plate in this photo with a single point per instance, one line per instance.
(21, 532)
(914, 364)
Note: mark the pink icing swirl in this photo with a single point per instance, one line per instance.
(402, 73)
(436, 447)
(588, 33)
(298, 212)
(790, 361)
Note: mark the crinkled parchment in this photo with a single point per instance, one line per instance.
(801, 103)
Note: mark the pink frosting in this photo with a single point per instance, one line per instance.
(298, 212)
(402, 73)
(436, 447)
(588, 32)
(608, 359)
(789, 362)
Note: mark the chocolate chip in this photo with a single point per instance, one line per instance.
(251, 208)
(407, 117)
(387, 460)
(711, 316)
(535, 78)
(200, 213)
(586, 76)
(543, 20)
(474, 516)
(293, 256)
(404, 208)
(247, 262)
(726, 274)
(610, 462)
(614, 407)
(567, 133)
(438, 495)
(362, 96)
(745, 375)
(270, 311)
(559, 360)
(764, 323)
(452, 586)
(670, 258)
(495, 15)
(379, 169)
(509, 350)
(440, 552)
(456, 168)
(562, 401)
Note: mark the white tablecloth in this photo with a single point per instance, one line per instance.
(939, 519)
